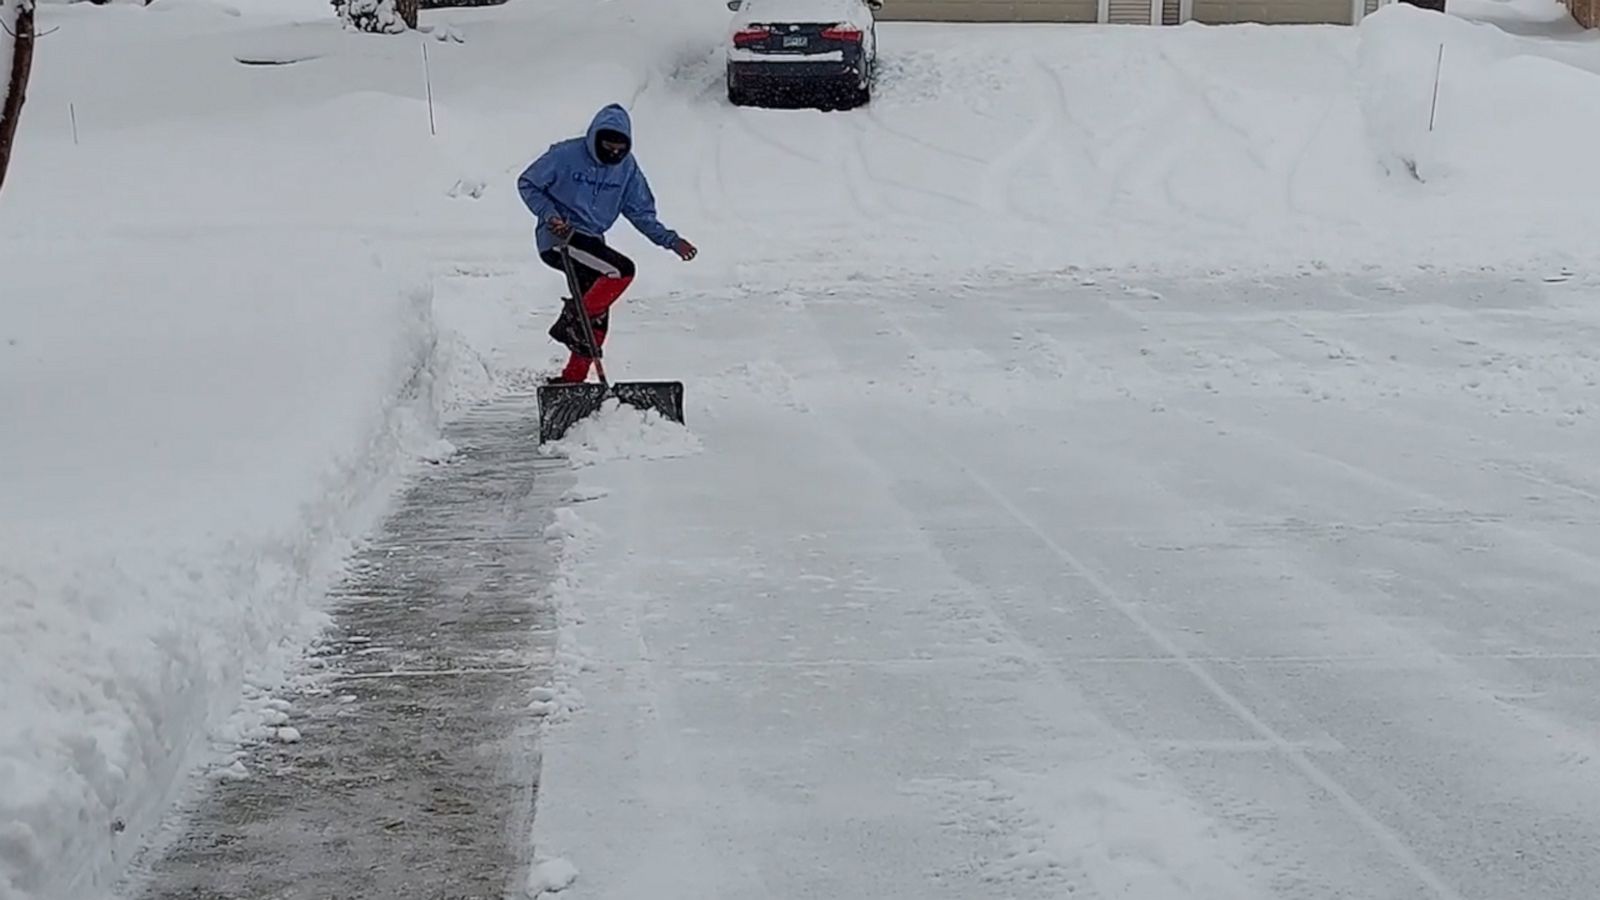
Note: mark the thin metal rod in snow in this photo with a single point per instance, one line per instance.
(427, 78)
(1438, 68)
(72, 110)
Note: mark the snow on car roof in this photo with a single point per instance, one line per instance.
(804, 11)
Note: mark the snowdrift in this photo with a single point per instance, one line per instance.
(1504, 154)
(1512, 122)
(195, 432)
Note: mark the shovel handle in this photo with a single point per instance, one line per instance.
(582, 314)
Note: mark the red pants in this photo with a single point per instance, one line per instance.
(603, 275)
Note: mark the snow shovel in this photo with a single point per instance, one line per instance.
(562, 405)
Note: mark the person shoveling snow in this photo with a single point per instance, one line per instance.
(576, 190)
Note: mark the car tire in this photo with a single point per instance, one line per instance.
(737, 95)
(861, 94)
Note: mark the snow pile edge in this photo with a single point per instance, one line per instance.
(135, 655)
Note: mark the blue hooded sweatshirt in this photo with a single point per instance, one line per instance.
(569, 180)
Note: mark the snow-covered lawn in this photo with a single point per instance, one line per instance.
(1017, 398)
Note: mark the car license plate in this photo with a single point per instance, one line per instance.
(796, 40)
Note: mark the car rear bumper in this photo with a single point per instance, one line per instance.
(746, 74)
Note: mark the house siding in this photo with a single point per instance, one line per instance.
(990, 10)
(1216, 12)
(1280, 12)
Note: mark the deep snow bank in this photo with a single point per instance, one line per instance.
(1514, 131)
(194, 430)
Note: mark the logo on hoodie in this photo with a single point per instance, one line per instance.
(597, 181)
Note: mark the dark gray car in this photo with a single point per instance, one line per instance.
(782, 52)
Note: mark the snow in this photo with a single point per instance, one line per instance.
(379, 16)
(793, 11)
(552, 877)
(1136, 461)
(619, 431)
(204, 434)
(1549, 13)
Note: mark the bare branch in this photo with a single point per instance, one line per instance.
(13, 34)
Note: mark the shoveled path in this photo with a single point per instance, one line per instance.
(417, 768)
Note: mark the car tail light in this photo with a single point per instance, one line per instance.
(842, 33)
(755, 34)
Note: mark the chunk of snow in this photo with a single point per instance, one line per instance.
(569, 526)
(552, 877)
(449, 34)
(585, 493)
(619, 432)
(234, 772)
(472, 188)
(438, 451)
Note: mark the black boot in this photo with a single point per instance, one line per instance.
(568, 332)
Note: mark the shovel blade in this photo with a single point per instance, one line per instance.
(665, 397)
(563, 405)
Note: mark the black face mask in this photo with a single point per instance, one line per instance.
(611, 156)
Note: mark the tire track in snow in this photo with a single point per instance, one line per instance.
(1148, 137)
(883, 125)
(1200, 88)
(1126, 153)
(864, 194)
(1086, 142)
(744, 118)
(863, 136)
(710, 183)
(999, 181)
(1302, 156)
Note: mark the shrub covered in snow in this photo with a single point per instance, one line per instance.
(378, 16)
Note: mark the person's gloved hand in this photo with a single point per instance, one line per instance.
(685, 250)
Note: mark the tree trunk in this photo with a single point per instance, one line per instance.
(408, 12)
(20, 33)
